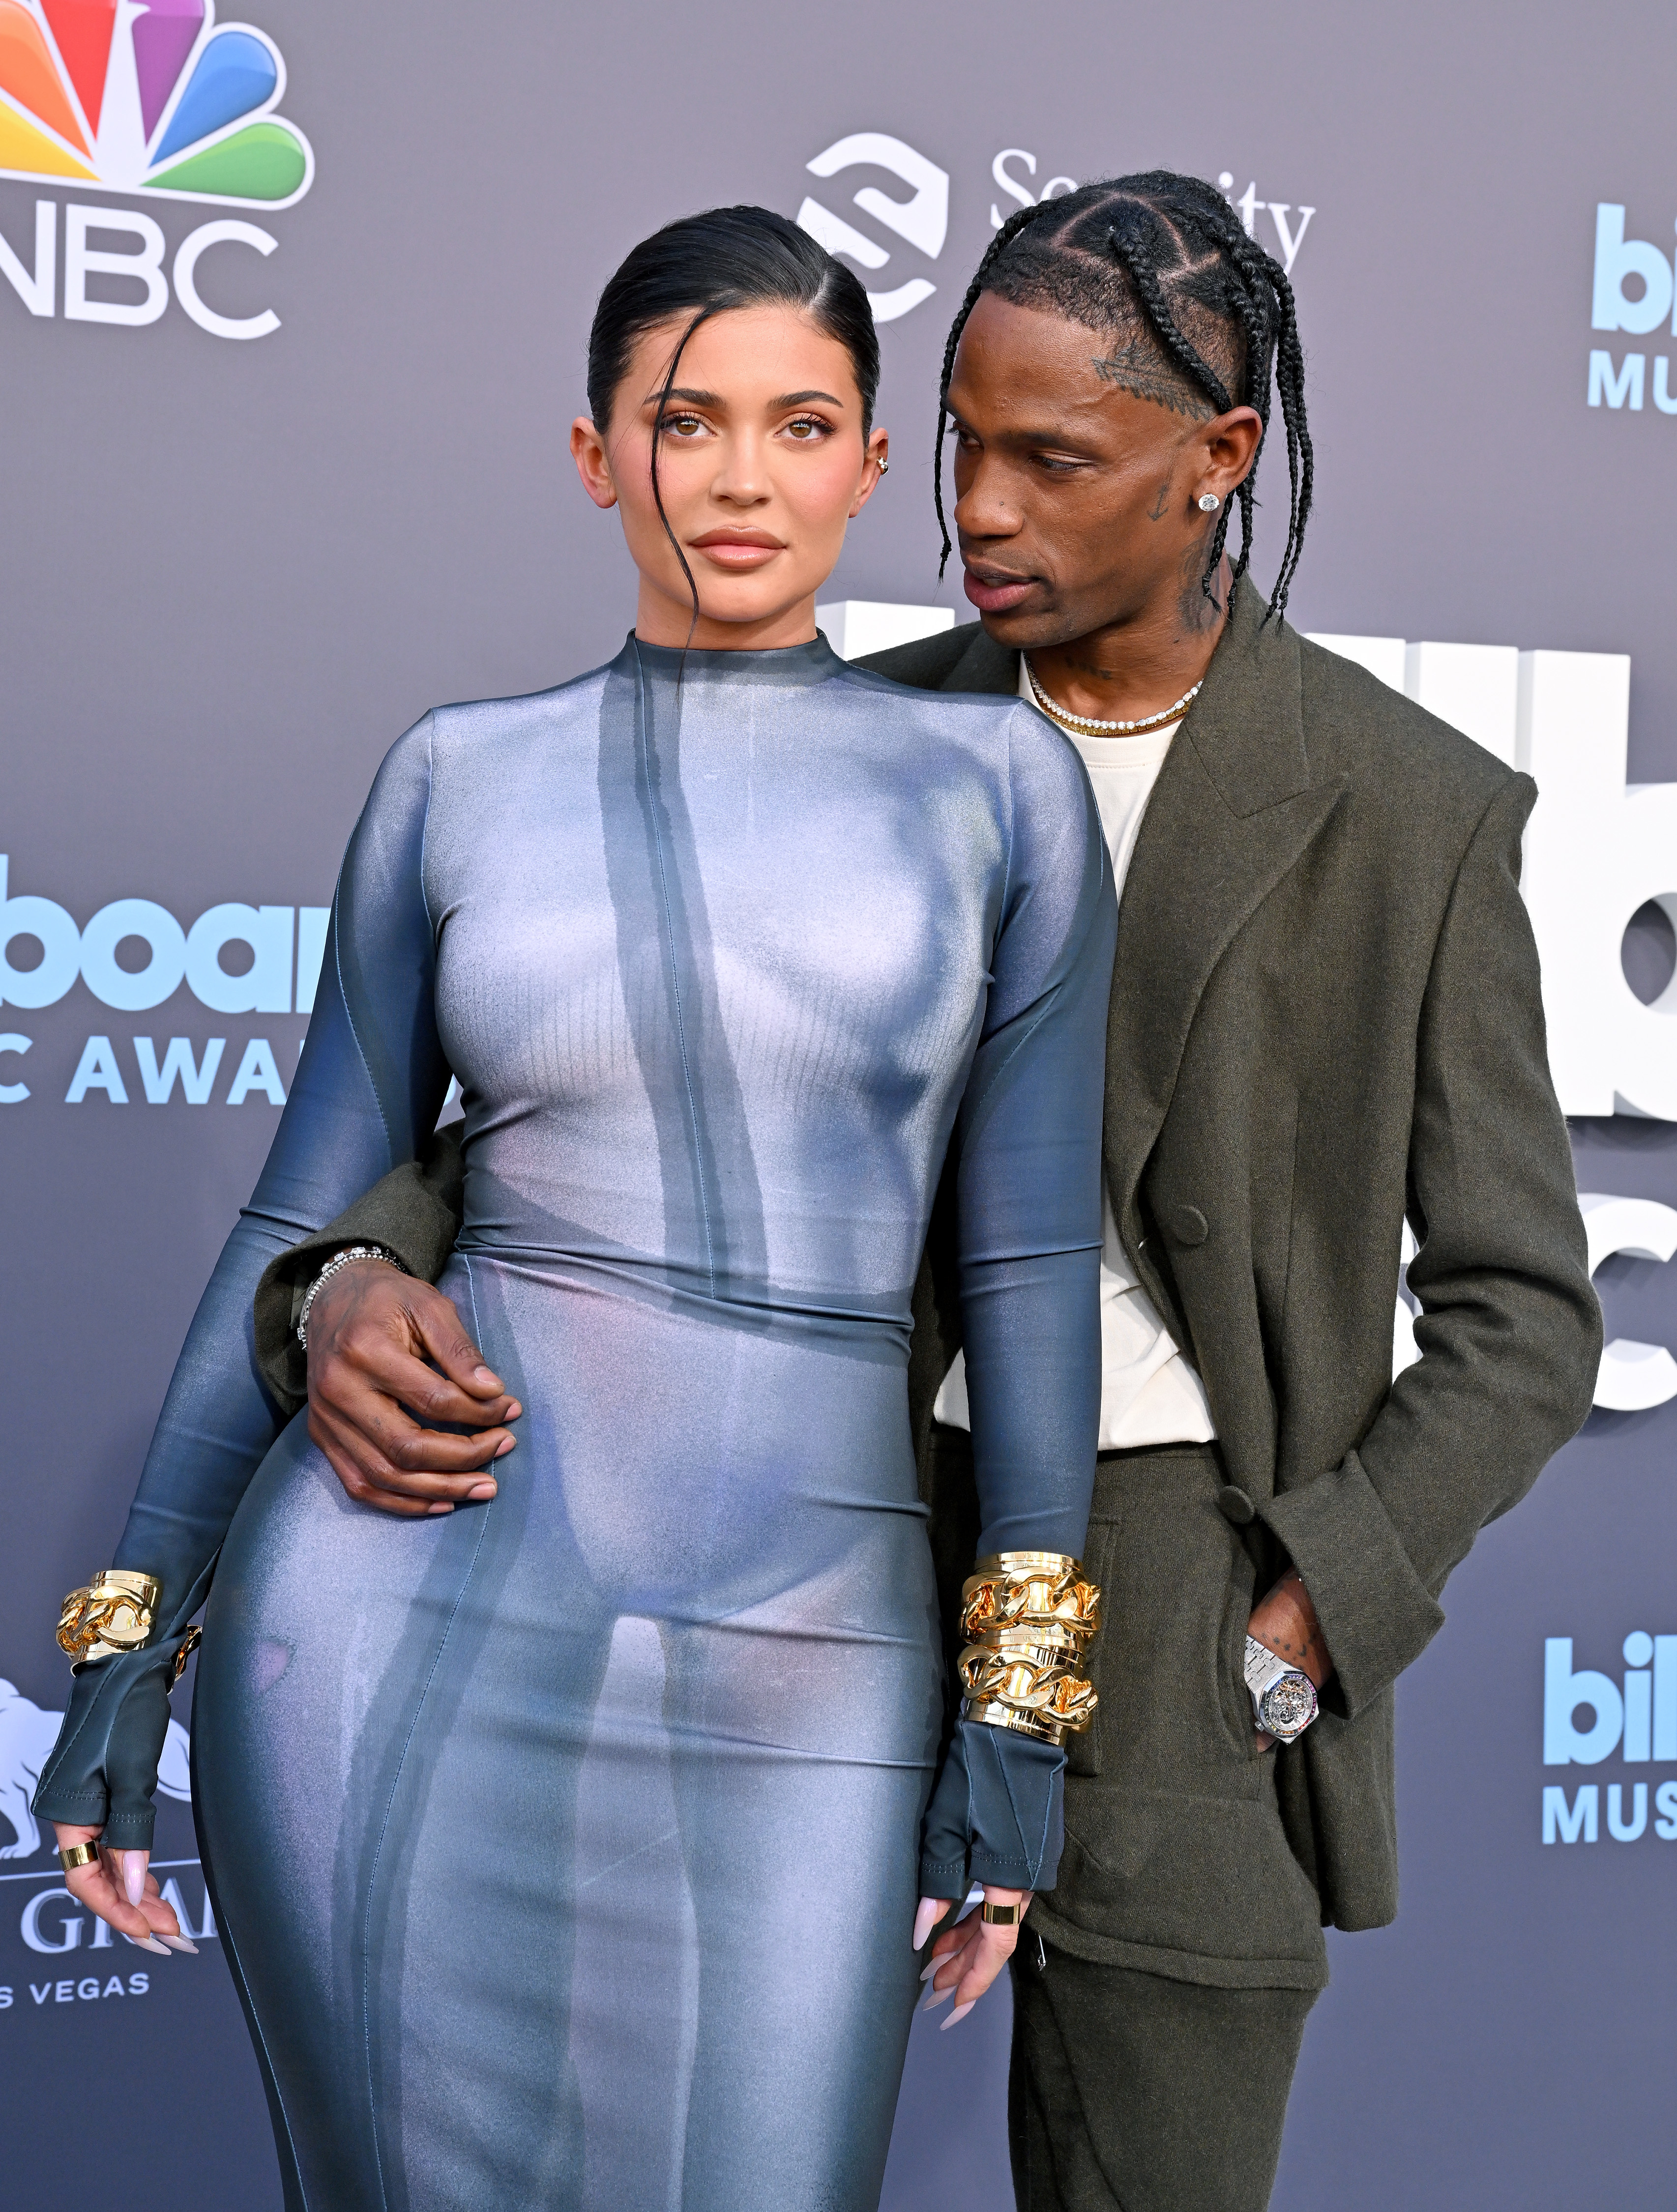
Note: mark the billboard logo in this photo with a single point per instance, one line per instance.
(147, 101)
(1632, 290)
(923, 220)
(1638, 1721)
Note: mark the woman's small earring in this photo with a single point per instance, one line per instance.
(1209, 502)
(884, 468)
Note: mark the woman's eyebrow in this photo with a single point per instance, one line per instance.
(715, 399)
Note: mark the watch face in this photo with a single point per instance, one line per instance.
(1288, 1706)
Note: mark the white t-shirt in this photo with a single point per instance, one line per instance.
(1150, 1393)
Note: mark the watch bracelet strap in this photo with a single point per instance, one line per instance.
(1262, 1670)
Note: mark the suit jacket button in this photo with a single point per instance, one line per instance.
(1188, 1225)
(1234, 1505)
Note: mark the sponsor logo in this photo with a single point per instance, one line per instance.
(1638, 1720)
(1633, 289)
(158, 102)
(922, 219)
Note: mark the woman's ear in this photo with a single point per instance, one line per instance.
(593, 463)
(875, 461)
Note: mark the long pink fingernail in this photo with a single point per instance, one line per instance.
(134, 1875)
(181, 1943)
(925, 1919)
(147, 1943)
(959, 2012)
(934, 1997)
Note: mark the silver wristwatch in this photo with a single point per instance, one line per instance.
(1284, 1698)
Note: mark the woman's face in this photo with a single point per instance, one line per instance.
(760, 463)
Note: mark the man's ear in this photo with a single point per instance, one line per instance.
(1229, 446)
(593, 463)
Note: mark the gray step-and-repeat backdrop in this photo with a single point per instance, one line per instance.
(292, 318)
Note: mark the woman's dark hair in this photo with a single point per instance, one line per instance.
(704, 265)
(1204, 314)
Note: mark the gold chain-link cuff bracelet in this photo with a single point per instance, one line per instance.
(1030, 1617)
(114, 1613)
(1011, 1588)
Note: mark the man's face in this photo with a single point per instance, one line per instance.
(1076, 495)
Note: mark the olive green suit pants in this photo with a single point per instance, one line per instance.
(1134, 2093)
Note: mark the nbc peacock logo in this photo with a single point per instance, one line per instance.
(148, 98)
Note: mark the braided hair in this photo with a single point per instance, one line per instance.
(1165, 257)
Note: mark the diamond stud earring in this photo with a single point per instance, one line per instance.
(1209, 502)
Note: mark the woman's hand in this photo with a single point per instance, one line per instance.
(121, 1889)
(371, 1333)
(967, 1958)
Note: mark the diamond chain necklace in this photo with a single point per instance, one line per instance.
(1069, 721)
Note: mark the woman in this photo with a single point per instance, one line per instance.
(566, 1846)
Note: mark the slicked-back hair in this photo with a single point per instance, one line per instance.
(1203, 319)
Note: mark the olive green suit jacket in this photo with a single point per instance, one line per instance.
(1325, 1017)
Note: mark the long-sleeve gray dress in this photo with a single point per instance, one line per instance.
(566, 1848)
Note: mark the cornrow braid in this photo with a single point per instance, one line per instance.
(1145, 277)
(1152, 249)
(1020, 220)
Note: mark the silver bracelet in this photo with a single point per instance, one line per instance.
(342, 1260)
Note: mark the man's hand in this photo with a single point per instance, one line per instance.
(1285, 1623)
(371, 1332)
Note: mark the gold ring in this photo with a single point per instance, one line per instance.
(1001, 1916)
(77, 1855)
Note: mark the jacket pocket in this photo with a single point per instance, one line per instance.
(1238, 1602)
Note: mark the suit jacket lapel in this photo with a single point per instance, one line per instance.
(1234, 808)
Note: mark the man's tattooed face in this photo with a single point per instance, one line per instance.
(1138, 369)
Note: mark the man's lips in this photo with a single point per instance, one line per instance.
(993, 591)
(738, 549)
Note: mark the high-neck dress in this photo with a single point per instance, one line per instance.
(566, 1846)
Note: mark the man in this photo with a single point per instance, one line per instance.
(1325, 1019)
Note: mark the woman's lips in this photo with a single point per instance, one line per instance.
(995, 598)
(743, 552)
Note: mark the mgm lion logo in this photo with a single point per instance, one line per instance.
(27, 1735)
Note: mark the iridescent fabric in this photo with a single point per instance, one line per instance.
(567, 1847)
